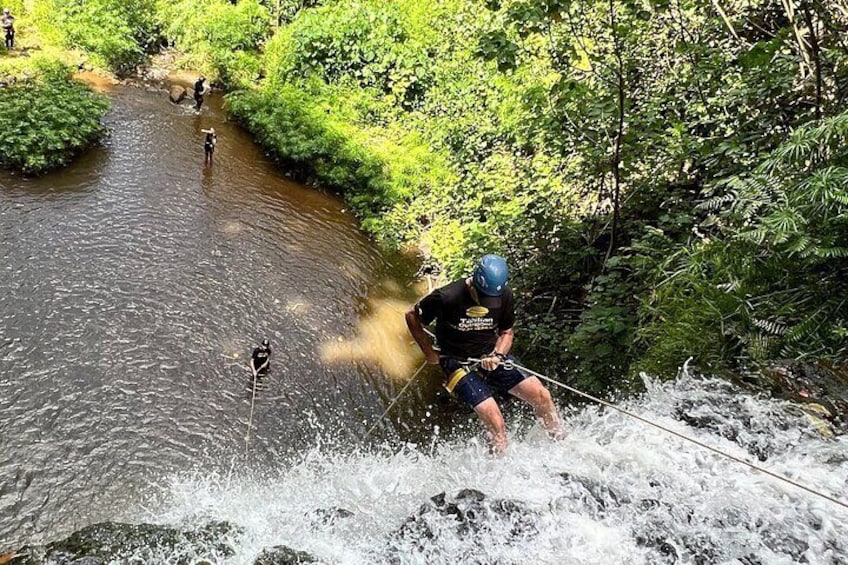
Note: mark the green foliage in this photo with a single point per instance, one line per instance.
(367, 43)
(375, 177)
(221, 36)
(666, 179)
(116, 33)
(46, 117)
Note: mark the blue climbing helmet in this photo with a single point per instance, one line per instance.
(490, 275)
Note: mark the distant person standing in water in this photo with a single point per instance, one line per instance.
(199, 89)
(260, 361)
(209, 144)
(8, 23)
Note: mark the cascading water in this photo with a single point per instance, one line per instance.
(613, 491)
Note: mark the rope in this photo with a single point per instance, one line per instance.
(252, 401)
(644, 420)
(396, 398)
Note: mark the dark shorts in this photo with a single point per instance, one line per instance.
(478, 385)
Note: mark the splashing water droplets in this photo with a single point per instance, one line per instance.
(613, 491)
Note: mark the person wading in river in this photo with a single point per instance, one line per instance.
(474, 318)
(260, 361)
(209, 144)
(199, 89)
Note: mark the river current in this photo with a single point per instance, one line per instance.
(132, 288)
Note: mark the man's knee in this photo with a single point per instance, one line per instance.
(543, 396)
(536, 394)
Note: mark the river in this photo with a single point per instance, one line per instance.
(132, 288)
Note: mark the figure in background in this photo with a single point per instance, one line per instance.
(209, 144)
(8, 23)
(199, 90)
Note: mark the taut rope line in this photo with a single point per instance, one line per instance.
(396, 398)
(762, 470)
(252, 401)
(644, 420)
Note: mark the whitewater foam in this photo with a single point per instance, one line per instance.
(613, 491)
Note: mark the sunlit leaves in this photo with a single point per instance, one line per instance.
(47, 119)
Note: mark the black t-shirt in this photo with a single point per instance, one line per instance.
(198, 88)
(465, 328)
(260, 356)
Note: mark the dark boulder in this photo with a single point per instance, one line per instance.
(283, 555)
(819, 384)
(177, 94)
(466, 514)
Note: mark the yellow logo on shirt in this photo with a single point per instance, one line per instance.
(477, 311)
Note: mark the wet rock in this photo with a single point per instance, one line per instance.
(602, 495)
(729, 414)
(647, 504)
(108, 542)
(177, 94)
(667, 552)
(467, 513)
(283, 555)
(330, 516)
(812, 383)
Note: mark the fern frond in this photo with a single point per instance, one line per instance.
(772, 327)
(716, 203)
(830, 252)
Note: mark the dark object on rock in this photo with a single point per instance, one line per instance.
(429, 269)
(283, 555)
(177, 94)
(816, 383)
(109, 541)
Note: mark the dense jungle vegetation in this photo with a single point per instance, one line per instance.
(667, 177)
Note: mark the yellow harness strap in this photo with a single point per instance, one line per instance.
(455, 377)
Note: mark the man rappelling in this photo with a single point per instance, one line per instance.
(260, 360)
(474, 319)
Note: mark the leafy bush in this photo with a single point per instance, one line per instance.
(46, 118)
(302, 132)
(117, 33)
(368, 43)
(221, 35)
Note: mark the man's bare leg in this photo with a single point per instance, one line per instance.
(532, 390)
(489, 412)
